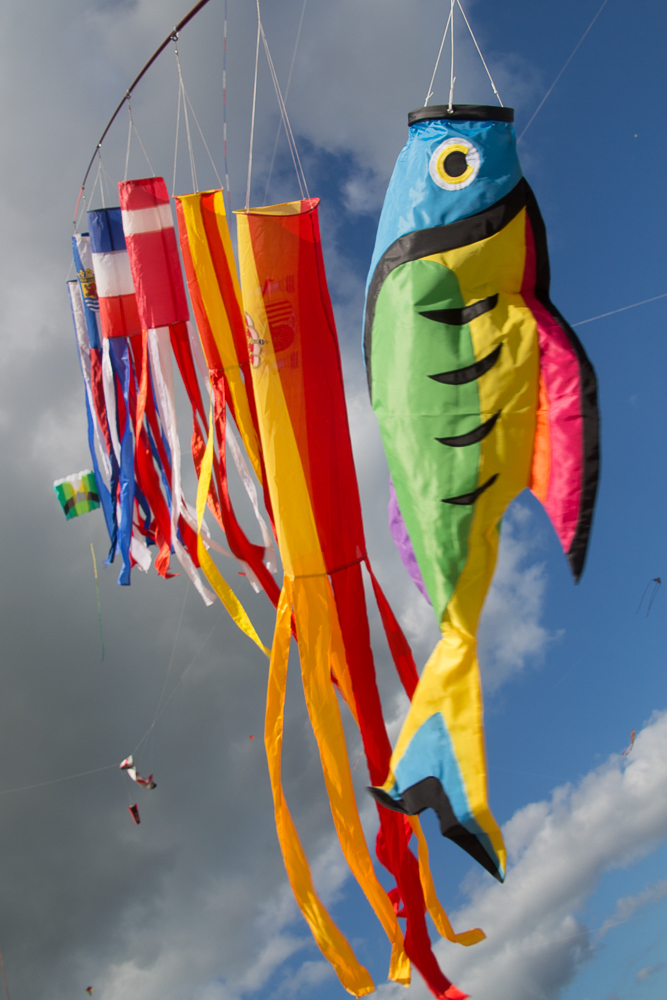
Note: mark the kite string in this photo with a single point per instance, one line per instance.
(4, 977)
(176, 685)
(57, 781)
(254, 107)
(97, 591)
(109, 767)
(567, 63)
(173, 653)
(622, 309)
(652, 597)
(289, 81)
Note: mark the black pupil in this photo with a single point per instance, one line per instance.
(456, 164)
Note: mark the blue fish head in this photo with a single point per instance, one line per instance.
(452, 166)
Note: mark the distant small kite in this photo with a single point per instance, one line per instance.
(77, 494)
(134, 811)
(89, 990)
(656, 581)
(129, 766)
(627, 750)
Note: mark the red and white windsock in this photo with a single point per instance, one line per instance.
(162, 304)
(151, 244)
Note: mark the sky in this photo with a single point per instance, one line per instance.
(195, 902)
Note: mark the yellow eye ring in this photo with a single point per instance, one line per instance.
(454, 164)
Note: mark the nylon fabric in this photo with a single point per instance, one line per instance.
(481, 390)
(216, 297)
(333, 945)
(158, 348)
(83, 349)
(120, 363)
(392, 845)
(319, 632)
(213, 575)
(437, 914)
(307, 452)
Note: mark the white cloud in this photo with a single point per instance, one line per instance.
(510, 634)
(309, 975)
(628, 905)
(647, 971)
(559, 850)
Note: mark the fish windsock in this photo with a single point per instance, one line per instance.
(481, 390)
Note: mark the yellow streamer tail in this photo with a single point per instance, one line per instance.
(211, 571)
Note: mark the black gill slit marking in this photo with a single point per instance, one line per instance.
(472, 437)
(459, 317)
(469, 498)
(461, 376)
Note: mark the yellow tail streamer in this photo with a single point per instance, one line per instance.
(211, 571)
(433, 905)
(334, 946)
(320, 642)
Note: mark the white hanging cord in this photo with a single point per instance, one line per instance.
(289, 81)
(569, 60)
(105, 174)
(134, 127)
(81, 206)
(254, 107)
(101, 172)
(429, 95)
(192, 110)
(480, 54)
(97, 181)
(129, 140)
(185, 97)
(178, 125)
(228, 196)
(622, 309)
(452, 78)
(193, 169)
(301, 177)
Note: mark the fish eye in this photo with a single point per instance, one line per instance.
(454, 164)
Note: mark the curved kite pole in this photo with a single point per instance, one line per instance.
(173, 34)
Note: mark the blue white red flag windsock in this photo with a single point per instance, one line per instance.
(119, 316)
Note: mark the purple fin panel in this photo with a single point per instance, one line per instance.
(402, 541)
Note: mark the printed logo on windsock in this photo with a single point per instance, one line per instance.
(115, 288)
(151, 244)
(83, 262)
